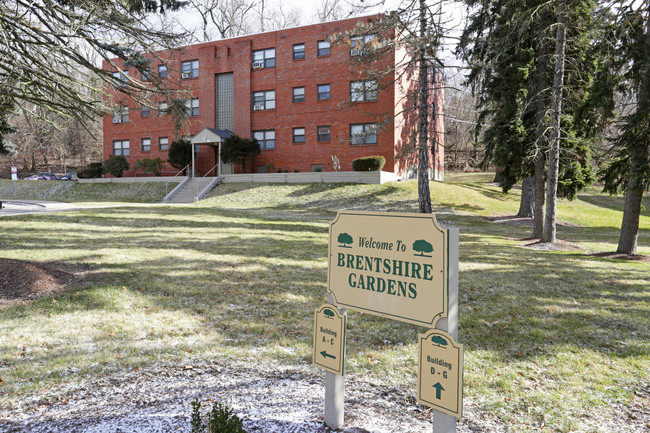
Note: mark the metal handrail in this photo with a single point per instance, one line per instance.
(197, 185)
(167, 184)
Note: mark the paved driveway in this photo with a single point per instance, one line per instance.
(21, 207)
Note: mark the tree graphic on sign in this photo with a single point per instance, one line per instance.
(438, 340)
(345, 239)
(422, 247)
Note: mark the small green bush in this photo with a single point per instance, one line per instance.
(94, 170)
(369, 163)
(219, 420)
(153, 166)
(115, 165)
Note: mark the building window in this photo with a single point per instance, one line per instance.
(145, 111)
(266, 139)
(192, 107)
(121, 115)
(189, 69)
(146, 144)
(264, 58)
(264, 100)
(121, 78)
(162, 108)
(363, 133)
(323, 133)
(298, 135)
(145, 75)
(323, 92)
(299, 51)
(163, 143)
(317, 168)
(298, 94)
(162, 71)
(323, 48)
(263, 169)
(360, 45)
(121, 147)
(363, 90)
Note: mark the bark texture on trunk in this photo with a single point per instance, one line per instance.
(540, 137)
(527, 202)
(631, 213)
(556, 110)
(424, 194)
(627, 241)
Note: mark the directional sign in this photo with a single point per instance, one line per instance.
(14, 173)
(329, 339)
(390, 264)
(440, 372)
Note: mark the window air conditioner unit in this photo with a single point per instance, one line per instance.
(186, 75)
(257, 107)
(117, 120)
(258, 65)
(356, 52)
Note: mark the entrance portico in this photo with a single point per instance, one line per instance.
(212, 137)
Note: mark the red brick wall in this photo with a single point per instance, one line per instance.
(235, 55)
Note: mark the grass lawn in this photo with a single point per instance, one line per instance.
(554, 340)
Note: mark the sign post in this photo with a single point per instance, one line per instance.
(404, 267)
(329, 354)
(14, 177)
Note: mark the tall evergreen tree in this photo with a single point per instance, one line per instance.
(508, 45)
(629, 74)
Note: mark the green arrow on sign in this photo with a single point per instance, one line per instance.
(327, 355)
(439, 390)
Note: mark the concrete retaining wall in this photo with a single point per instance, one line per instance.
(370, 177)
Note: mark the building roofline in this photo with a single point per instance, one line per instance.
(249, 35)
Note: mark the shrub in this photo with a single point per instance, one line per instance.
(368, 163)
(220, 420)
(115, 165)
(148, 165)
(94, 170)
(180, 153)
(238, 149)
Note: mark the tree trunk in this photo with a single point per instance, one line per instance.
(527, 203)
(424, 195)
(556, 110)
(634, 191)
(631, 213)
(540, 136)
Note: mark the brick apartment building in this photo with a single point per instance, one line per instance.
(291, 90)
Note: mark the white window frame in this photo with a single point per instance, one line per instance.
(299, 135)
(363, 133)
(319, 92)
(192, 107)
(162, 143)
(162, 108)
(189, 69)
(265, 138)
(320, 134)
(162, 71)
(146, 144)
(364, 90)
(323, 48)
(298, 54)
(121, 147)
(264, 100)
(267, 56)
(298, 97)
(359, 44)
